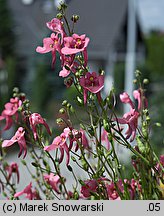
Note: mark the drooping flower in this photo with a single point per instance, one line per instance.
(142, 101)
(11, 109)
(30, 194)
(131, 119)
(12, 168)
(36, 119)
(50, 44)
(59, 142)
(17, 138)
(53, 180)
(93, 83)
(124, 97)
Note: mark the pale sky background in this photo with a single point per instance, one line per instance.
(151, 14)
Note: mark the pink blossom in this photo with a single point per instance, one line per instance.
(93, 83)
(112, 192)
(68, 65)
(84, 140)
(60, 143)
(75, 44)
(30, 194)
(89, 187)
(131, 119)
(11, 109)
(137, 95)
(124, 97)
(56, 26)
(36, 119)
(104, 138)
(12, 168)
(17, 138)
(53, 180)
(50, 44)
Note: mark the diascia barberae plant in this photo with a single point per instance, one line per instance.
(89, 145)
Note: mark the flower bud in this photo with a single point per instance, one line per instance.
(138, 73)
(59, 16)
(62, 111)
(75, 18)
(69, 168)
(135, 81)
(72, 109)
(16, 90)
(106, 125)
(73, 159)
(145, 81)
(65, 102)
(59, 121)
(35, 164)
(79, 100)
(158, 124)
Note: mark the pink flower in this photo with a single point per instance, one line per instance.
(124, 97)
(137, 96)
(131, 119)
(17, 138)
(12, 168)
(68, 65)
(93, 83)
(89, 187)
(30, 194)
(56, 26)
(84, 140)
(76, 44)
(50, 44)
(11, 109)
(112, 192)
(53, 180)
(36, 119)
(104, 138)
(60, 143)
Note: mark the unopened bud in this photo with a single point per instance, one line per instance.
(158, 124)
(135, 81)
(145, 81)
(138, 73)
(79, 100)
(59, 16)
(75, 18)
(59, 121)
(62, 111)
(65, 102)
(15, 90)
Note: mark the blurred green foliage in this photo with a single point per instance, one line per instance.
(155, 53)
(7, 37)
